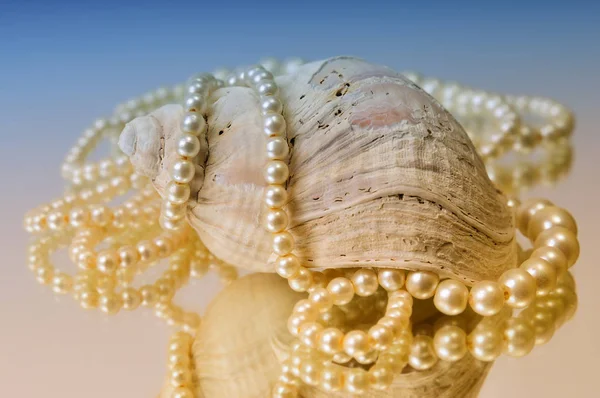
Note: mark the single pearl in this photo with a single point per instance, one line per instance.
(188, 146)
(309, 333)
(267, 88)
(422, 284)
(486, 298)
(321, 298)
(276, 172)
(331, 341)
(356, 343)
(391, 279)
(62, 283)
(277, 148)
(332, 378)
(271, 104)
(287, 266)
(183, 171)
(110, 303)
(520, 287)
(282, 390)
(381, 377)
(422, 353)
(150, 295)
(274, 124)
(276, 220)
(357, 381)
(177, 193)
(180, 376)
(527, 210)
(485, 343)
(302, 281)
(543, 272)
(549, 217)
(195, 103)
(283, 243)
(365, 282)
(163, 246)
(295, 321)
(107, 261)
(562, 239)
(341, 290)
(147, 251)
(132, 298)
(193, 123)
(554, 256)
(519, 336)
(451, 297)
(182, 392)
(450, 343)
(275, 196)
(310, 371)
(381, 337)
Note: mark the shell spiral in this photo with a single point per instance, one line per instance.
(381, 175)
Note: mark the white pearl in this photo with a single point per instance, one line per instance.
(193, 123)
(275, 196)
(274, 124)
(451, 297)
(195, 103)
(177, 193)
(276, 172)
(188, 146)
(183, 171)
(277, 148)
(267, 88)
(271, 104)
(276, 220)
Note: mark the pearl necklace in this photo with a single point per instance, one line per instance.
(541, 285)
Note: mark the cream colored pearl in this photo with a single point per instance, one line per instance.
(365, 282)
(302, 281)
(188, 146)
(147, 251)
(183, 171)
(396, 325)
(422, 353)
(332, 378)
(391, 279)
(519, 286)
(451, 297)
(422, 284)
(131, 298)
(309, 333)
(274, 124)
(381, 337)
(283, 243)
(282, 390)
(177, 193)
(62, 283)
(310, 372)
(543, 323)
(321, 299)
(276, 172)
(356, 343)
(275, 196)
(562, 239)
(519, 336)
(381, 377)
(341, 290)
(554, 256)
(110, 303)
(527, 210)
(150, 295)
(549, 217)
(485, 343)
(450, 343)
(107, 261)
(180, 376)
(276, 220)
(287, 266)
(193, 123)
(486, 298)
(331, 341)
(277, 148)
(357, 381)
(182, 392)
(543, 272)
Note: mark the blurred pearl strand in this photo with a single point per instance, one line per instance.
(82, 218)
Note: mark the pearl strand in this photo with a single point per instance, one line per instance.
(193, 127)
(180, 363)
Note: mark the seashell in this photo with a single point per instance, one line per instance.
(381, 175)
(243, 338)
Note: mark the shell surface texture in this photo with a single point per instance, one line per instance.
(381, 175)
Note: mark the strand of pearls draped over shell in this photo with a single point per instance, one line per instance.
(112, 245)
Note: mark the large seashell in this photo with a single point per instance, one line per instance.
(243, 338)
(381, 175)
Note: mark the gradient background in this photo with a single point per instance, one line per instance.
(63, 63)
